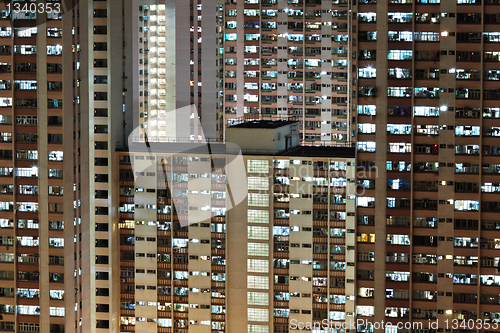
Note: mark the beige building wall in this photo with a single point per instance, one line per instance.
(303, 284)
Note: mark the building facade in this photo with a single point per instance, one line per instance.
(289, 58)
(175, 63)
(90, 249)
(88, 72)
(299, 262)
(57, 138)
(195, 259)
(426, 111)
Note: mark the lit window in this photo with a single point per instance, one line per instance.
(366, 146)
(258, 232)
(257, 282)
(366, 128)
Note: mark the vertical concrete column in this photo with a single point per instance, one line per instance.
(240, 58)
(198, 165)
(446, 189)
(145, 242)
(69, 162)
(301, 239)
(326, 69)
(282, 29)
(43, 174)
(350, 245)
(380, 163)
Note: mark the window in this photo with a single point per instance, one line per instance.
(257, 166)
(400, 36)
(56, 311)
(400, 55)
(257, 282)
(365, 202)
(398, 184)
(365, 36)
(398, 129)
(258, 199)
(100, 30)
(258, 232)
(466, 149)
(257, 249)
(56, 242)
(423, 36)
(54, 32)
(365, 310)
(28, 327)
(257, 328)
(54, 49)
(27, 224)
(231, 36)
(367, 72)
(257, 266)
(365, 238)
(25, 84)
(400, 17)
(490, 187)
(257, 216)
(399, 147)
(399, 73)
(370, 110)
(467, 205)
(55, 155)
(428, 129)
(397, 276)
(31, 310)
(252, 12)
(399, 91)
(366, 146)
(366, 256)
(427, 92)
(56, 294)
(366, 128)
(425, 111)
(465, 242)
(367, 17)
(398, 239)
(467, 130)
(27, 206)
(27, 241)
(367, 54)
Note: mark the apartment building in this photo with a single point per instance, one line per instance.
(172, 270)
(289, 58)
(59, 249)
(56, 144)
(175, 62)
(195, 259)
(426, 109)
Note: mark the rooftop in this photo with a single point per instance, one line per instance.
(345, 151)
(265, 124)
(220, 148)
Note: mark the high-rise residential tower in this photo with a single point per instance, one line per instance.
(195, 256)
(174, 53)
(427, 127)
(58, 59)
(287, 58)
(76, 78)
